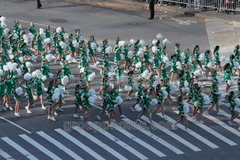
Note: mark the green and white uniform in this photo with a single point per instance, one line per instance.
(216, 58)
(86, 96)
(180, 109)
(29, 90)
(145, 101)
(232, 105)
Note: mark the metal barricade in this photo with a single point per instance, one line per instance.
(183, 3)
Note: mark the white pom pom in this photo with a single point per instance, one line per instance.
(50, 75)
(186, 84)
(178, 65)
(27, 76)
(185, 107)
(132, 41)
(140, 52)
(59, 29)
(130, 54)
(197, 72)
(12, 68)
(154, 41)
(121, 55)
(19, 72)
(82, 70)
(142, 42)
(165, 59)
(49, 57)
(99, 49)
(65, 80)
(112, 85)
(38, 73)
(19, 91)
(91, 100)
(222, 59)
(25, 36)
(109, 50)
(55, 96)
(153, 102)
(31, 36)
(92, 92)
(165, 41)
(206, 99)
(29, 65)
(15, 36)
(11, 56)
(210, 65)
(154, 49)
(47, 40)
(5, 67)
(138, 108)
(42, 86)
(121, 79)
(222, 95)
(237, 101)
(127, 88)
(43, 35)
(71, 76)
(110, 75)
(61, 88)
(121, 43)
(165, 94)
(159, 36)
(151, 59)
(202, 56)
(93, 45)
(63, 45)
(185, 90)
(3, 25)
(232, 80)
(1, 72)
(69, 58)
(66, 36)
(236, 65)
(173, 88)
(119, 100)
(75, 44)
(138, 65)
(182, 55)
(44, 78)
(3, 19)
(145, 74)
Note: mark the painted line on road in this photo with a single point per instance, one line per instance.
(153, 136)
(99, 143)
(15, 125)
(139, 141)
(19, 148)
(59, 145)
(211, 131)
(79, 144)
(5, 155)
(194, 134)
(173, 135)
(119, 142)
(40, 147)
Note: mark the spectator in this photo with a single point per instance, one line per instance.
(39, 5)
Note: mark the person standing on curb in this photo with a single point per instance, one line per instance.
(39, 5)
(151, 7)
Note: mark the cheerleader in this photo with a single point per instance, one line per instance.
(59, 49)
(116, 44)
(130, 84)
(156, 64)
(16, 24)
(39, 44)
(139, 93)
(106, 62)
(168, 90)
(119, 75)
(181, 83)
(164, 75)
(177, 51)
(151, 83)
(231, 100)
(39, 83)
(87, 72)
(106, 102)
(8, 91)
(114, 94)
(33, 31)
(60, 100)
(78, 101)
(2, 92)
(174, 69)
(71, 47)
(50, 93)
(216, 59)
(186, 58)
(84, 59)
(160, 96)
(146, 57)
(104, 46)
(91, 50)
(214, 99)
(136, 59)
(47, 32)
(117, 57)
(29, 95)
(45, 70)
(104, 81)
(194, 98)
(207, 52)
(25, 51)
(199, 106)
(227, 78)
(95, 52)
(181, 114)
(232, 64)
(196, 54)
(86, 95)
(193, 66)
(66, 72)
(236, 54)
(126, 58)
(14, 46)
(137, 45)
(4, 44)
(190, 93)
(16, 95)
(54, 36)
(145, 106)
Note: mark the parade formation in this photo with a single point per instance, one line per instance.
(140, 69)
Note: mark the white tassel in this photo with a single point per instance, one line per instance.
(3, 25)
(165, 59)
(1, 72)
(99, 49)
(127, 88)
(47, 40)
(197, 72)
(222, 95)
(132, 41)
(222, 59)
(236, 65)
(138, 65)
(44, 78)
(19, 72)
(71, 76)
(186, 84)
(145, 74)
(3, 19)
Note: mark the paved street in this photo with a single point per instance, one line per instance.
(34, 137)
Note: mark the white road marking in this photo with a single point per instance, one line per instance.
(19, 148)
(99, 143)
(59, 145)
(79, 144)
(40, 147)
(173, 135)
(15, 125)
(139, 141)
(5, 155)
(194, 134)
(156, 138)
(119, 142)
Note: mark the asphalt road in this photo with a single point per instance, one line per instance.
(214, 139)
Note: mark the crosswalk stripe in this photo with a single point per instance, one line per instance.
(173, 135)
(19, 148)
(79, 144)
(139, 141)
(194, 134)
(59, 145)
(99, 143)
(119, 142)
(40, 147)
(5, 155)
(211, 131)
(156, 138)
